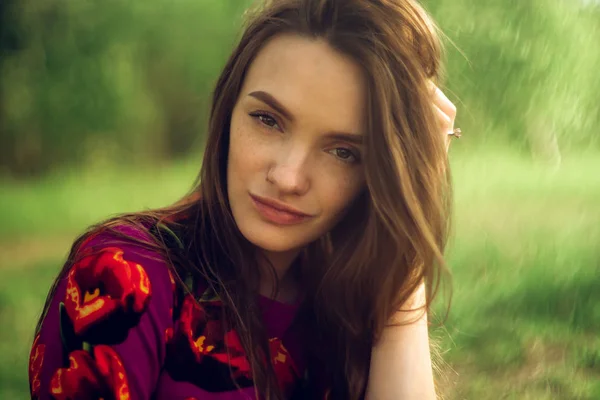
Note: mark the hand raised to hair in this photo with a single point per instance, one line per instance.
(446, 112)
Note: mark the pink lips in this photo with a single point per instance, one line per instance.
(278, 213)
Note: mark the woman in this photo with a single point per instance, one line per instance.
(303, 263)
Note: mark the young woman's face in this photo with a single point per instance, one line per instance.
(295, 148)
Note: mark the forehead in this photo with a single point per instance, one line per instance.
(311, 79)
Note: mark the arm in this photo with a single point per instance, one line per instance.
(115, 309)
(401, 361)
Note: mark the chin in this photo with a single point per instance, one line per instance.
(275, 239)
(274, 243)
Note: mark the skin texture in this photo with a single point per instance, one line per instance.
(298, 159)
(401, 361)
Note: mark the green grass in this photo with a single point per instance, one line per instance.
(68, 201)
(22, 294)
(525, 258)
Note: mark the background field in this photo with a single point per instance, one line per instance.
(525, 258)
(81, 86)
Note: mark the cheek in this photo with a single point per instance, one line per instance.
(243, 157)
(338, 191)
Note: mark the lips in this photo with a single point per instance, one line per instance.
(277, 212)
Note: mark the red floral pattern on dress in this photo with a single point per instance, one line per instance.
(36, 359)
(202, 352)
(285, 369)
(236, 356)
(99, 375)
(106, 294)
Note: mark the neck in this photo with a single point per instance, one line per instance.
(275, 268)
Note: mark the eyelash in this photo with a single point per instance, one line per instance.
(355, 157)
(259, 116)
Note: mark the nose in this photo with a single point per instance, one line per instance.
(290, 172)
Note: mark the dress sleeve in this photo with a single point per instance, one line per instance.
(104, 333)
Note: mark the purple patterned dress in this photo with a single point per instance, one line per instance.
(120, 328)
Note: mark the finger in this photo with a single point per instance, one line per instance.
(446, 123)
(444, 104)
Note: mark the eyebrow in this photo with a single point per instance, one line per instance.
(272, 102)
(347, 137)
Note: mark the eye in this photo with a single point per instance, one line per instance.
(266, 119)
(345, 155)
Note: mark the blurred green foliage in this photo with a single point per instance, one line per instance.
(90, 81)
(129, 82)
(524, 72)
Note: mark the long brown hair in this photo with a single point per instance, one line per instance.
(391, 241)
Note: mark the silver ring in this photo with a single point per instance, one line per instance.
(456, 133)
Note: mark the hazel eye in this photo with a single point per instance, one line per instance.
(344, 155)
(266, 120)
